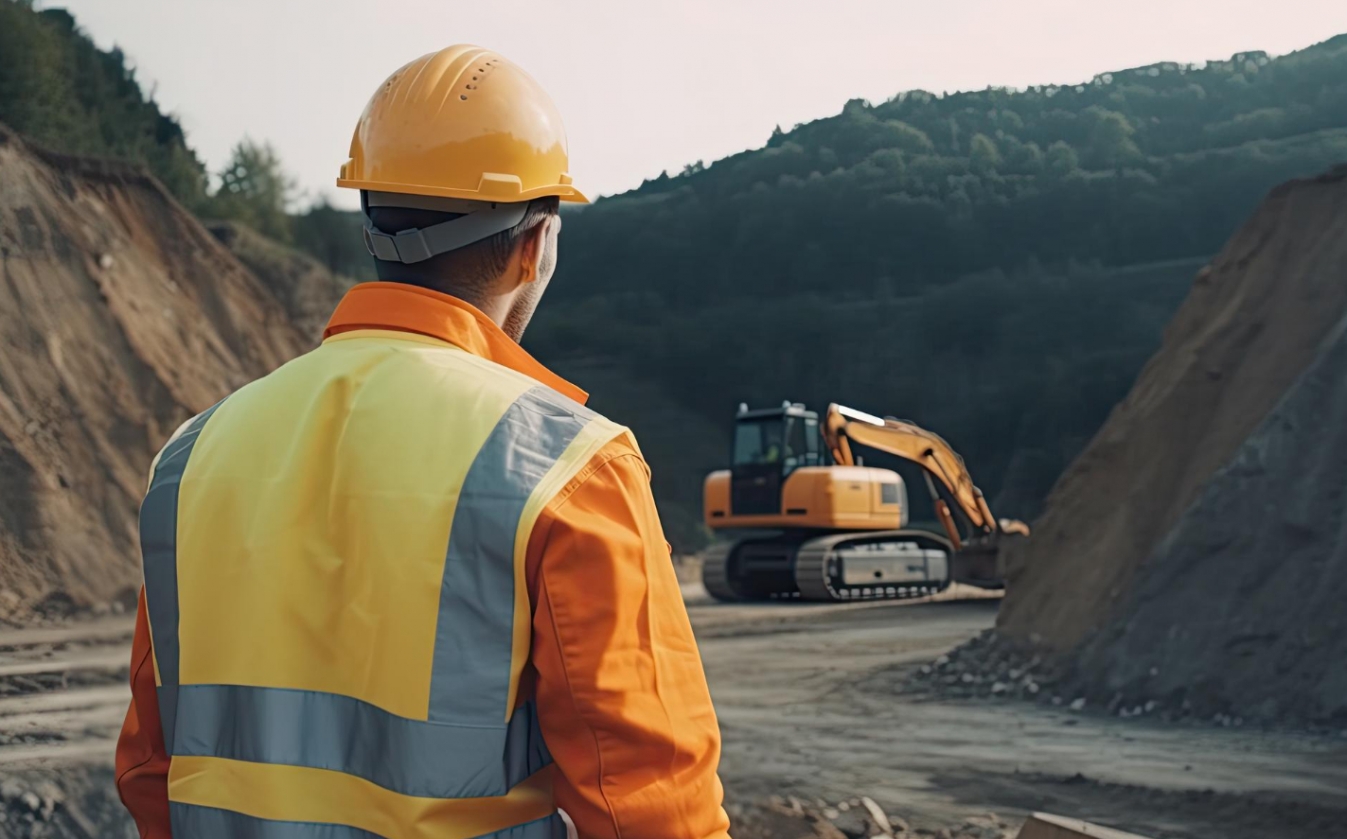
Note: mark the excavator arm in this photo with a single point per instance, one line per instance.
(924, 448)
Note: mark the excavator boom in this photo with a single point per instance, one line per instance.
(924, 448)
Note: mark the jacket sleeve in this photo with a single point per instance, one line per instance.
(622, 698)
(142, 760)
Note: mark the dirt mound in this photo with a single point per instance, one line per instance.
(1241, 610)
(303, 285)
(1254, 322)
(120, 316)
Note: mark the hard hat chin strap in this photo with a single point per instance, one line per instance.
(479, 220)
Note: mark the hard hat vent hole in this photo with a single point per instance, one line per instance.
(463, 96)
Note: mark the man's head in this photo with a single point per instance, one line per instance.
(465, 154)
(503, 275)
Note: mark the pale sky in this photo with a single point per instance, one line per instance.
(647, 86)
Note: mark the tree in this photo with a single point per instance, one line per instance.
(1061, 160)
(333, 237)
(982, 154)
(1024, 158)
(256, 191)
(1111, 143)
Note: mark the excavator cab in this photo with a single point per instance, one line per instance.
(770, 444)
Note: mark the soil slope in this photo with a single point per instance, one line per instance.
(302, 284)
(1255, 320)
(1242, 612)
(120, 317)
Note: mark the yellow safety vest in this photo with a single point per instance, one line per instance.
(334, 576)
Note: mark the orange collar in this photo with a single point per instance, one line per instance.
(407, 308)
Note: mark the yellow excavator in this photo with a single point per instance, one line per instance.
(822, 526)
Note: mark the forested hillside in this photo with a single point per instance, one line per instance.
(994, 264)
(997, 264)
(62, 92)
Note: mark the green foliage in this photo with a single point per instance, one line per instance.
(333, 237)
(983, 157)
(62, 92)
(255, 190)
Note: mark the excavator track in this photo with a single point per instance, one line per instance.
(903, 564)
(830, 567)
(716, 573)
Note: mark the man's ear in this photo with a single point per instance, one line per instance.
(531, 248)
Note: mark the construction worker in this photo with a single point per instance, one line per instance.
(406, 586)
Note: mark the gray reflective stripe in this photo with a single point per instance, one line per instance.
(551, 827)
(470, 679)
(195, 822)
(159, 556)
(327, 731)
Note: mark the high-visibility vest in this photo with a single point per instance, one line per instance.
(334, 577)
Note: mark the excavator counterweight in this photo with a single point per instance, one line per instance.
(815, 523)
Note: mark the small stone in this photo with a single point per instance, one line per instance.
(105, 261)
(926, 670)
(942, 661)
(31, 801)
(843, 806)
(1032, 687)
(877, 815)
(999, 688)
(831, 813)
(1151, 706)
(1057, 700)
(1078, 704)
(967, 678)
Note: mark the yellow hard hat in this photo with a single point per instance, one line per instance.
(461, 123)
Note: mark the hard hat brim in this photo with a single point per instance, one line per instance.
(500, 191)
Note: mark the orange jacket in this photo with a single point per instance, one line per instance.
(622, 699)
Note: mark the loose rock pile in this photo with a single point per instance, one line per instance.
(856, 818)
(73, 802)
(25, 812)
(995, 667)
(992, 666)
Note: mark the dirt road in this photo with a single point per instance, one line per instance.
(806, 699)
